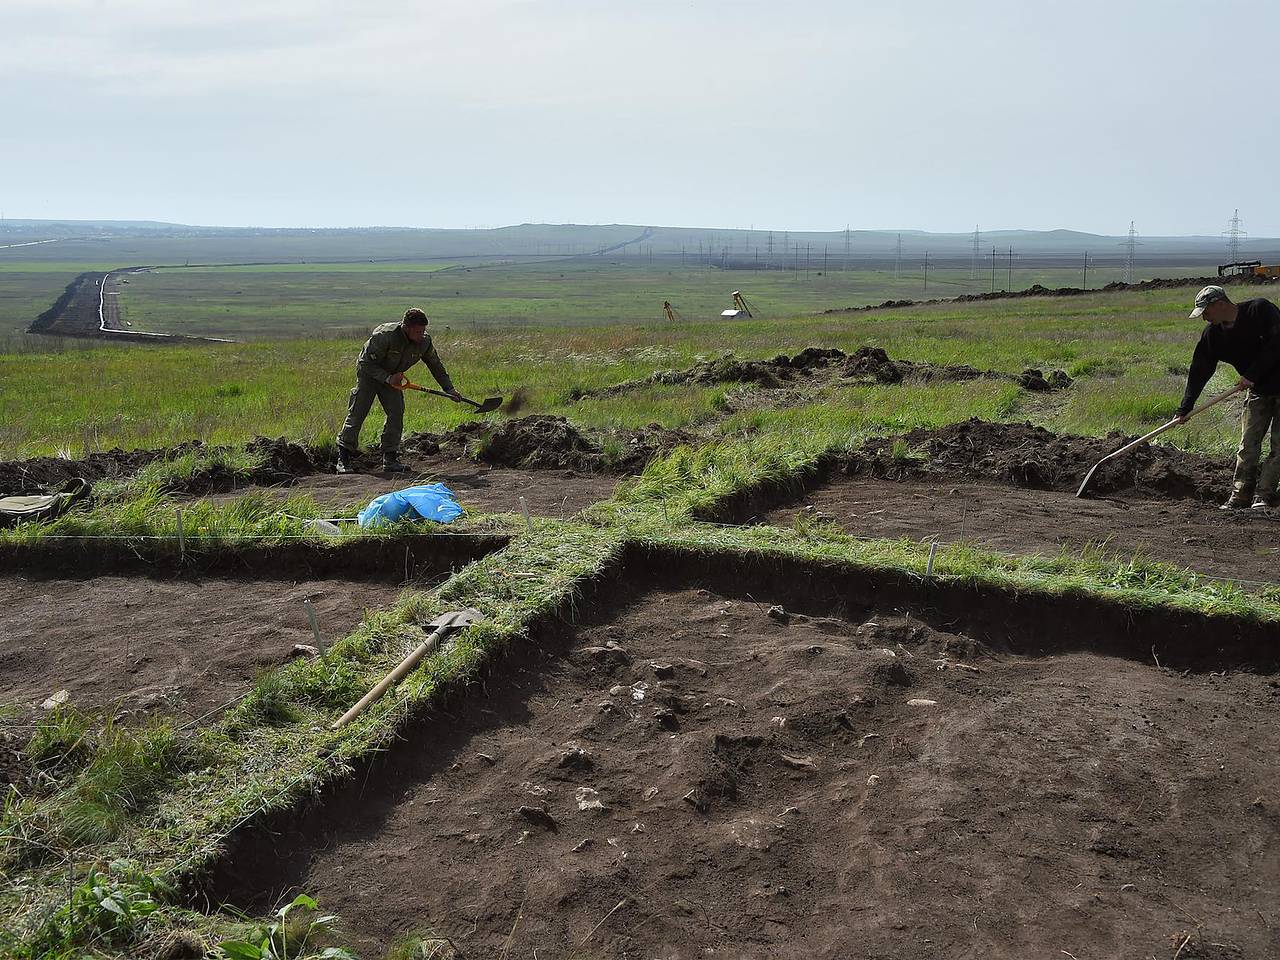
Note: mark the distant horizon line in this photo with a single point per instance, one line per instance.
(836, 232)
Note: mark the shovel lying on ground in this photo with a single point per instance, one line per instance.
(444, 624)
(488, 406)
(1155, 433)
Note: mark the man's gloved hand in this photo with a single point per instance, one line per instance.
(397, 380)
(454, 395)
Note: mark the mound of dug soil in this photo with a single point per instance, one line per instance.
(1031, 456)
(284, 462)
(31, 476)
(542, 442)
(866, 363)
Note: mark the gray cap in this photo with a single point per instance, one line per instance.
(1208, 295)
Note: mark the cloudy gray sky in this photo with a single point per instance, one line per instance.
(803, 115)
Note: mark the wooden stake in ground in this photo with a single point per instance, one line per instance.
(1155, 433)
(444, 624)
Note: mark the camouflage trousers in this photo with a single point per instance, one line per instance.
(360, 402)
(1261, 416)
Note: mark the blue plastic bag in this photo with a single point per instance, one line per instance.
(434, 501)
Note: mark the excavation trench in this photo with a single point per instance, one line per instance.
(123, 631)
(1012, 488)
(872, 768)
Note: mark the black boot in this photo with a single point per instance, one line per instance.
(392, 464)
(346, 461)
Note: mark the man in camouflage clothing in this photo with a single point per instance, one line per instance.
(392, 349)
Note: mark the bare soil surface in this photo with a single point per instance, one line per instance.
(177, 646)
(478, 487)
(691, 775)
(1240, 544)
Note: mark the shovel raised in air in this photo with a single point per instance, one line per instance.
(488, 405)
(1155, 433)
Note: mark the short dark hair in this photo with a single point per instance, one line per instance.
(415, 315)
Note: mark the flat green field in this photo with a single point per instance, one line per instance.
(260, 302)
(280, 300)
(1128, 351)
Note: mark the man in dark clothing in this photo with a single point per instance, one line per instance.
(1247, 336)
(388, 353)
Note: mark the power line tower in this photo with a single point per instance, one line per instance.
(1235, 236)
(848, 246)
(973, 260)
(897, 258)
(769, 251)
(1130, 245)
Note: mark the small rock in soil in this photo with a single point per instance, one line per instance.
(588, 799)
(666, 718)
(663, 671)
(796, 762)
(56, 700)
(778, 613)
(921, 702)
(538, 816)
(575, 758)
(303, 650)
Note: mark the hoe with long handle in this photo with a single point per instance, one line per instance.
(1155, 433)
(443, 624)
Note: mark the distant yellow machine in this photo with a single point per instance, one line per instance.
(1249, 268)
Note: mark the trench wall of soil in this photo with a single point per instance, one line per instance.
(366, 558)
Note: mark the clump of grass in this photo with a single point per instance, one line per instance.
(110, 909)
(270, 703)
(299, 932)
(1096, 367)
(424, 945)
(612, 449)
(63, 739)
(129, 765)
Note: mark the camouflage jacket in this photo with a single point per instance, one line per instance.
(389, 351)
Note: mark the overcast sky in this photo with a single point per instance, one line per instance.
(786, 115)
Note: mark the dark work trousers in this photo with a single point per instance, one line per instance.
(1261, 416)
(361, 400)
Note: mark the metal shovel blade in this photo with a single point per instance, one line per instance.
(457, 618)
(489, 405)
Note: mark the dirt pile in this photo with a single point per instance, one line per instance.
(826, 363)
(283, 463)
(1031, 456)
(541, 442)
(1038, 290)
(40, 473)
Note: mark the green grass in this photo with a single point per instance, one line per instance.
(122, 396)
